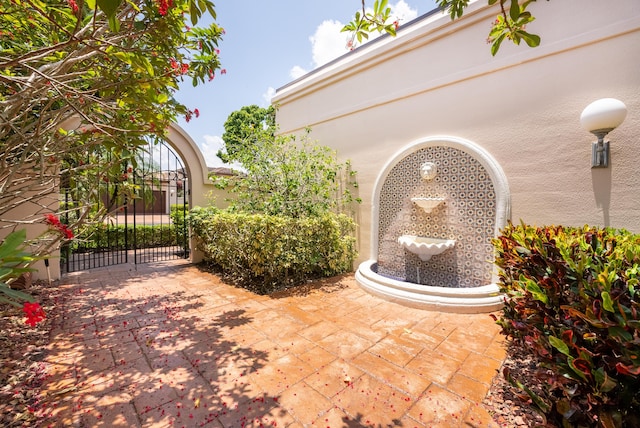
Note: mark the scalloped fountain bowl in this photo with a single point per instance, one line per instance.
(425, 247)
(427, 204)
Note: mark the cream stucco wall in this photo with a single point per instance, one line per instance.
(437, 77)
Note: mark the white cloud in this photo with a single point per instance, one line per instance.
(402, 12)
(268, 95)
(211, 145)
(296, 72)
(328, 42)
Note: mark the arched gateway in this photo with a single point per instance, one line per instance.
(173, 177)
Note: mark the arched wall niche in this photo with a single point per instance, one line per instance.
(475, 207)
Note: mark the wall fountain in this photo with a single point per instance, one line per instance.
(436, 207)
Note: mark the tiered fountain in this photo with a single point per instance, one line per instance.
(438, 204)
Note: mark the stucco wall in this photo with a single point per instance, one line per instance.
(40, 197)
(438, 77)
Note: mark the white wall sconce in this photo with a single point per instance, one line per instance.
(601, 117)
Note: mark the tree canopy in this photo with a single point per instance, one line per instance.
(243, 126)
(282, 174)
(86, 76)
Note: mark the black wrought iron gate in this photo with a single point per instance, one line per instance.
(144, 214)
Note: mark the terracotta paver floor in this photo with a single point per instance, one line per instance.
(167, 344)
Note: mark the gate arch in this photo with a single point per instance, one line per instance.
(193, 186)
(197, 171)
(195, 164)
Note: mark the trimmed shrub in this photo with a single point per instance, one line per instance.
(271, 252)
(572, 301)
(178, 214)
(106, 237)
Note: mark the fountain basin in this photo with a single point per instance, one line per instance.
(427, 204)
(486, 298)
(425, 247)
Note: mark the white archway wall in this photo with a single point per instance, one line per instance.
(202, 191)
(200, 185)
(475, 209)
(522, 106)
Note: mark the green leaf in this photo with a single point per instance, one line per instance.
(123, 56)
(604, 382)
(532, 40)
(495, 46)
(114, 23)
(534, 397)
(514, 10)
(607, 303)
(109, 7)
(12, 242)
(15, 294)
(194, 12)
(621, 333)
(535, 290)
(559, 345)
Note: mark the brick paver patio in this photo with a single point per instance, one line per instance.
(170, 345)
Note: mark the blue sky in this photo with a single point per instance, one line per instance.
(267, 45)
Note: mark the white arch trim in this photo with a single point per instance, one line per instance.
(194, 162)
(188, 151)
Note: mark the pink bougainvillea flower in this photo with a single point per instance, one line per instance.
(163, 7)
(73, 5)
(196, 112)
(33, 312)
(68, 233)
(223, 71)
(52, 220)
(55, 223)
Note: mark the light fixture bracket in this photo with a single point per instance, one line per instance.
(600, 150)
(600, 154)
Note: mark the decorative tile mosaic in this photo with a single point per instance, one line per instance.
(467, 215)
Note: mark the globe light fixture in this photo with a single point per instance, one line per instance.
(601, 117)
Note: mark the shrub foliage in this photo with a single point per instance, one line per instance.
(572, 301)
(106, 237)
(270, 252)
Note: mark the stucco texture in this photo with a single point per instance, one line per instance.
(437, 77)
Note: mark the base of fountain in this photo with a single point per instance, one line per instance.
(486, 298)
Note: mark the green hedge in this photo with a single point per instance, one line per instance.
(178, 215)
(573, 302)
(269, 252)
(106, 237)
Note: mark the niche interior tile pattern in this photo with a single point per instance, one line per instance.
(467, 215)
